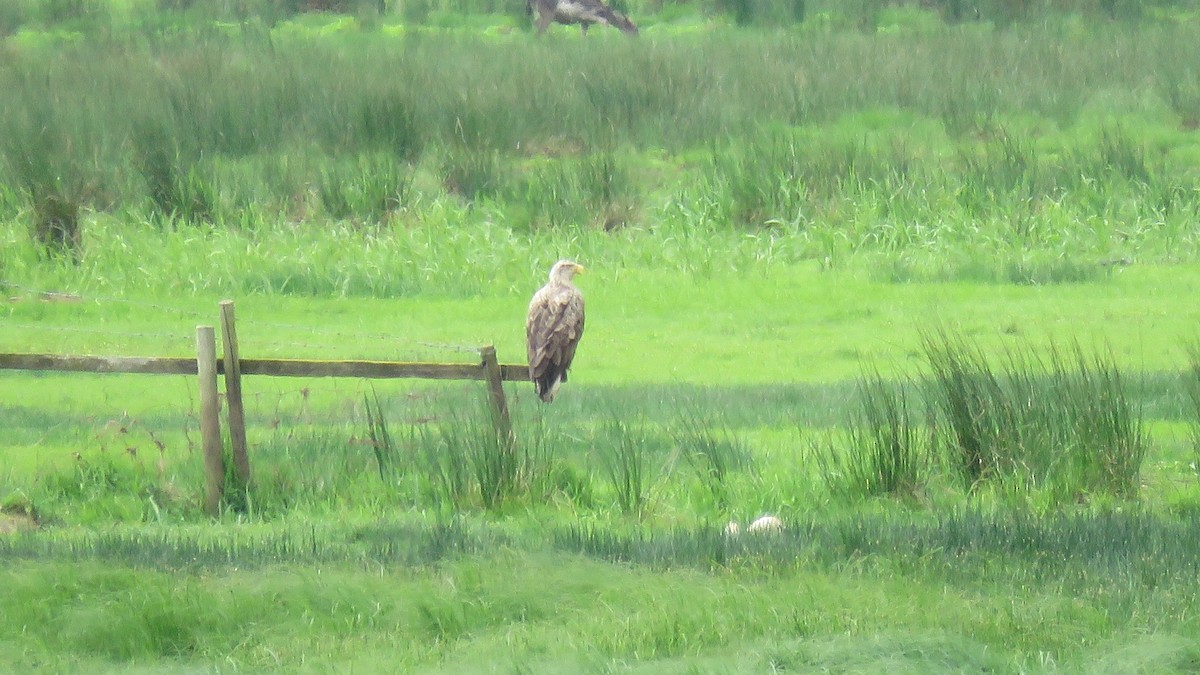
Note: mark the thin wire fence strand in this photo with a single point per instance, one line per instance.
(94, 331)
(360, 340)
(63, 296)
(368, 340)
(365, 336)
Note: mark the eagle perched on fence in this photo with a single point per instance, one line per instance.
(583, 12)
(553, 328)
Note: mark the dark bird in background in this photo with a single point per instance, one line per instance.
(583, 12)
(553, 328)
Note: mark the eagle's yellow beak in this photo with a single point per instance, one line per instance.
(580, 269)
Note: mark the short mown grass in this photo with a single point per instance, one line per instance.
(425, 594)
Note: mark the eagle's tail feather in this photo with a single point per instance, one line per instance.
(547, 385)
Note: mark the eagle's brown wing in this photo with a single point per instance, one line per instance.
(552, 330)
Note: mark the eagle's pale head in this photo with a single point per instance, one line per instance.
(563, 270)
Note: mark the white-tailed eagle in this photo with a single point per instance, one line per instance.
(553, 328)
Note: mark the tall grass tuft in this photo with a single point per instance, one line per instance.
(1065, 425)
(49, 155)
(713, 452)
(472, 174)
(493, 459)
(886, 451)
(371, 187)
(177, 188)
(626, 452)
(107, 487)
(1191, 384)
(1112, 432)
(1004, 171)
(963, 391)
(1123, 155)
(380, 437)
(310, 468)
(444, 469)
(567, 191)
(467, 462)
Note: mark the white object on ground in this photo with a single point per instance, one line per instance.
(766, 524)
(763, 524)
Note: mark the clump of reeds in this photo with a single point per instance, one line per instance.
(50, 160)
(1062, 423)
(463, 460)
(884, 450)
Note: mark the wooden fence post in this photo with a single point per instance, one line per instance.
(233, 396)
(491, 370)
(210, 419)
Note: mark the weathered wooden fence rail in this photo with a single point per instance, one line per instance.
(155, 365)
(206, 366)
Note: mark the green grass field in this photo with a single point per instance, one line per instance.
(919, 282)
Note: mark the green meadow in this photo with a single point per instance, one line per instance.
(918, 279)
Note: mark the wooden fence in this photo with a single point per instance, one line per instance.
(206, 366)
